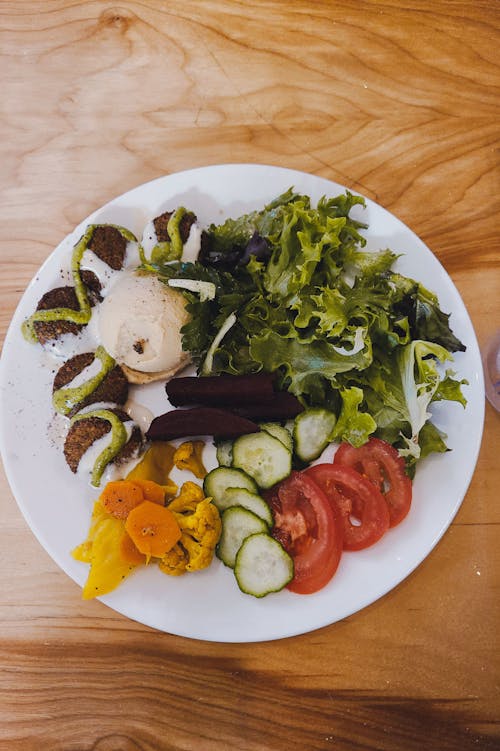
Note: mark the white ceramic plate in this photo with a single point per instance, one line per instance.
(208, 605)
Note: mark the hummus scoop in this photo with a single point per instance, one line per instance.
(139, 326)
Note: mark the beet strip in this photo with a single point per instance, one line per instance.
(223, 390)
(284, 406)
(182, 423)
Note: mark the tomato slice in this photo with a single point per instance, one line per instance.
(309, 529)
(361, 505)
(382, 465)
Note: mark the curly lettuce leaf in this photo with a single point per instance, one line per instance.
(223, 239)
(298, 360)
(420, 378)
(298, 249)
(398, 393)
(421, 308)
(352, 424)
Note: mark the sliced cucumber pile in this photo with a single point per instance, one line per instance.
(220, 479)
(224, 453)
(262, 565)
(312, 432)
(237, 524)
(279, 432)
(250, 501)
(245, 513)
(263, 457)
(267, 457)
(248, 465)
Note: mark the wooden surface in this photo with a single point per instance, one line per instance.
(398, 100)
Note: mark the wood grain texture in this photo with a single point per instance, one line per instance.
(398, 100)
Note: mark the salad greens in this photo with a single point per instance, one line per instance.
(296, 295)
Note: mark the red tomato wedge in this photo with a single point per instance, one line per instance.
(381, 464)
(308, 527)
(361, 505)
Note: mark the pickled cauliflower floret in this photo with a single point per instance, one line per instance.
(189, 456)
(200, 525)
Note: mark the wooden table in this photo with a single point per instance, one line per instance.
(394, 99)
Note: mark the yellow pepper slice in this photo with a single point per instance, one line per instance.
(156, 465)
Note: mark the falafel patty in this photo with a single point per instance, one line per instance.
(161, 226)
(65, 297)
(113, 388)
(109, 245)
(87, 430)
(60, 297)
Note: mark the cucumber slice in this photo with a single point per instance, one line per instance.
(312, 432)
(221, 478)
(262, 566)
(262, 457)
(224, 453)
(237, 524)
(250, 501)
(279, 432)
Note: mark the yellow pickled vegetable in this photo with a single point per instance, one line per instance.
(119, 497)
(129, 551)
(130, 523)
(189, 456)
(200, 526)
(174, 563)
(190, 496)
(156, 465)
(83, 552)
(103, 550)
(153, 528)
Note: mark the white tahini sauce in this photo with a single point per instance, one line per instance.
(69, 345)
(90, 371)
(90, 457)
(192, 246)
(139, 414)
(149, 238)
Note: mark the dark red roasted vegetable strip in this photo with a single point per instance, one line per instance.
(284, 406)
(182, 423)
(221, 390)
